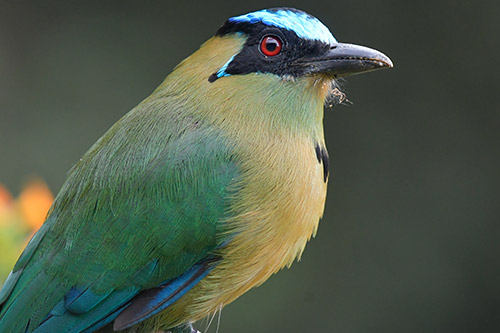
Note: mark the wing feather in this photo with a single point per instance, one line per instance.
(139, 214)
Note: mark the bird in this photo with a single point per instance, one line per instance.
(205, 189)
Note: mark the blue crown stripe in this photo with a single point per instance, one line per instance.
(304, 25)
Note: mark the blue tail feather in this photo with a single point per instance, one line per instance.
(67, 321)
(154, 300)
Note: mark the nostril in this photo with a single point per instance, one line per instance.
(333, 47)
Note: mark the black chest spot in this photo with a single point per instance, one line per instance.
(322, 156)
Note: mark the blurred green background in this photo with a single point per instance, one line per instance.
(409, 240)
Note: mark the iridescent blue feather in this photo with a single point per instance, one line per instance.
(303, 24)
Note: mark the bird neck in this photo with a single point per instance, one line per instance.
(260, 101)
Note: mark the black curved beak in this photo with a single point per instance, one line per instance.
(344, 60)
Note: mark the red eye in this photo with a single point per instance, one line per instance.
(271, 45)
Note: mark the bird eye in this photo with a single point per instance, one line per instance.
(271, 45)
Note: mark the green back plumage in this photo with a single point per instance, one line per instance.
(123, 209)
(207, 188)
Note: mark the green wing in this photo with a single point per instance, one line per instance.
(141, 209)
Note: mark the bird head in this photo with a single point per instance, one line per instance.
(290, 43)
(272, 60)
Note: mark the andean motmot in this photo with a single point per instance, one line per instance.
(209, 186)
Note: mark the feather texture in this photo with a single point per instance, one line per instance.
(183, 177)
(161, 202)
